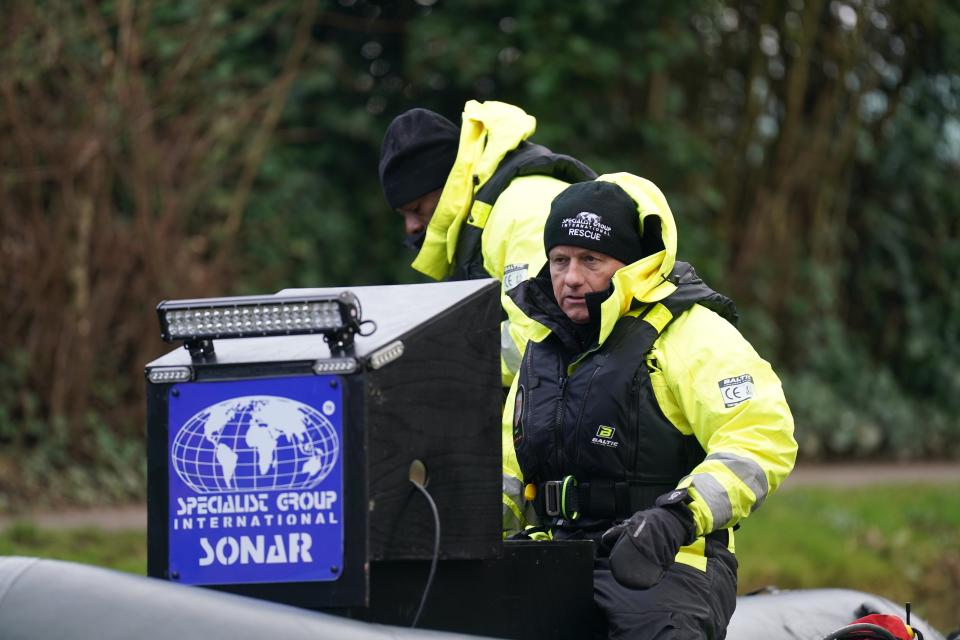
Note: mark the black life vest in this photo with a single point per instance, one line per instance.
(598, 420)
(527, 159)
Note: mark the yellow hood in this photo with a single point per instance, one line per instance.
(644, 280)
(489, 132)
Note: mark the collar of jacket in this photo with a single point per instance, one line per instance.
(490, 131)
(644, 281)
(535, 298)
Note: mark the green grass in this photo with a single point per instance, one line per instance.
(122, 550)
(900, 542)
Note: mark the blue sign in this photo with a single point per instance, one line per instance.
(256, 480)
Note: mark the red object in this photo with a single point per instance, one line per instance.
(893, 624)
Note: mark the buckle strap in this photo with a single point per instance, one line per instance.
(618, 499)
(561, 498)
(571, 499)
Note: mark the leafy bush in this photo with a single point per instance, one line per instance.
(809, 151)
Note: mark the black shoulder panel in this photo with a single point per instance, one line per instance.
(691, 289)
(526, 160)
(530, 159)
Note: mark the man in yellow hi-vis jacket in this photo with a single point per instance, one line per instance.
(641, 418)
(474, 198)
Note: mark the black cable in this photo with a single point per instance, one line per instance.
(367, 322)
(436, 551)
(357, 325)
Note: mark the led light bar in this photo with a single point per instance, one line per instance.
(386, 355)
(160, 375)
(197, 322)
(335, 365)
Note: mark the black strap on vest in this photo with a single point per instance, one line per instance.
(468, 261)
(691, 289)
(604, 500)
(530, 159)
(600, 498)
(527, 159)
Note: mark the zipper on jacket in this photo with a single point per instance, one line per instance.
(558, 422)
(635, 422)
(577, 460)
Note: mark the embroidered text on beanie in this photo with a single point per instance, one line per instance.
(595, 215)
(418, 151)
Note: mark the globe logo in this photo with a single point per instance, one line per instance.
(255, 443)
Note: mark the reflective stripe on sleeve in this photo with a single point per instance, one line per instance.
(513, 520)
(512, 492)
(748, 471)
(512, 486)
(715, 496)
(509, 352)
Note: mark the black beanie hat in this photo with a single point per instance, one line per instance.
(418, 151)
(596, 215)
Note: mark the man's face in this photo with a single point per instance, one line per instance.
(575, 272)
(417, 213)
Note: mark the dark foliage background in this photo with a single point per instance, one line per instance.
(810, 151)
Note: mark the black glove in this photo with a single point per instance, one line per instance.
(643, 547)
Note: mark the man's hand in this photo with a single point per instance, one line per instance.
(644, 546)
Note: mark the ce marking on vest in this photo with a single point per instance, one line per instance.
(736, 390)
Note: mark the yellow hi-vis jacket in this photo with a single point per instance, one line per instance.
(511, 227)
(749, 444)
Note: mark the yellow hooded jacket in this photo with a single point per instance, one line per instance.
(511, 227)
(749, 445)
